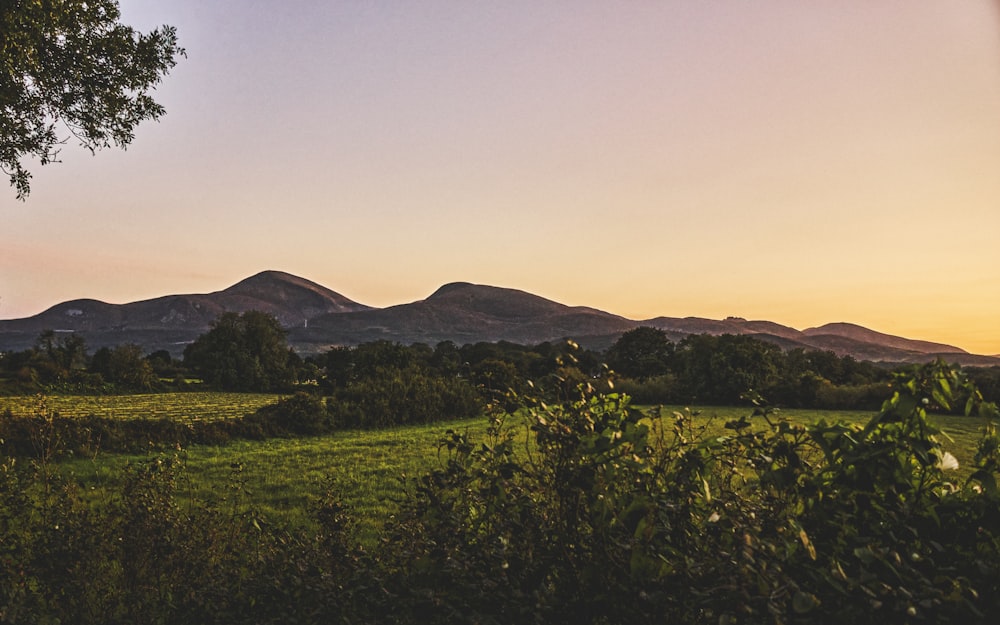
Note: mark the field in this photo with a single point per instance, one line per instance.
(184, 407)
(366, 469)
(279, 478)
(248, 525)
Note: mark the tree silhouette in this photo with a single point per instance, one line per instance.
(69, 68)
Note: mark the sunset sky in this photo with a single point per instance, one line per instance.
(801, 162)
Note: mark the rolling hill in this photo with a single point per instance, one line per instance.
(171, 321)
(317, 318)
(465, 313)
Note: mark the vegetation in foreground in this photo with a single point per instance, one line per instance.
(368, 468)
(608, 516)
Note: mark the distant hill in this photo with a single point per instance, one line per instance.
(171, 321)
(842, 338)
(317, 318)
(864, 335)
(465, 313)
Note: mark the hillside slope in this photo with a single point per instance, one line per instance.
(172, 320)
(464, 313)
(864, 335)
(317, 318)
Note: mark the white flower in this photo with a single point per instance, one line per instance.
(947, 462)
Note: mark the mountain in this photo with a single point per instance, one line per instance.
(864, 335)
(171, 321)
(317, 318)
(466, 313)
(842, 338)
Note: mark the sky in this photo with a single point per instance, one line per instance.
(799, 162)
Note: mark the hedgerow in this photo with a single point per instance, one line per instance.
(608, 515)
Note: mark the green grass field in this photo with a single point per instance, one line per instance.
(367, 469)
(282, 477)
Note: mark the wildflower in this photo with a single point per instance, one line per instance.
(947, 462)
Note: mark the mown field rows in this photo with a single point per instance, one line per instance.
(199, 406)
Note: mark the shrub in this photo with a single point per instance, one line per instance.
(615, 517)
(300, 414)
(862, 397)
(661, 389)
(608, 515)
(402, 397)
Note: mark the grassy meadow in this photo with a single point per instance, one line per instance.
(279, 478)
(365, 469)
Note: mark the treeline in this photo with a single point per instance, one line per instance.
(707, 369)
(382, 383)
(60, 362)
(613, 517)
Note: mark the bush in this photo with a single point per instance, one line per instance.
(301, 414)
(146, 558)
(402, 397)
(661, 389)
(616, 517)
(609, 515)
(862, 397)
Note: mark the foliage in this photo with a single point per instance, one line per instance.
(641, 353)
(606, 515)
(393, 396)
(613, 519)
(242, 352)
(660, 389)
(382, 384)
(135, 423)
(147, 558)
(67, 352)
(701, 369)
(706, 369)
(59, 362)
(72, 64)
(124, 366)
(723, 368)
(302, 414)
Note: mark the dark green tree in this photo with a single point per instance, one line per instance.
(68, 351)
(724, 368)
(124, 366)
(641, 353)
(242, 352)
(163, 364)
(343, 365)
(70, 68)
(496, 377)
(370, 358)
(446, 359)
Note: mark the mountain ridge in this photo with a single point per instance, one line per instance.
(317, 318)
